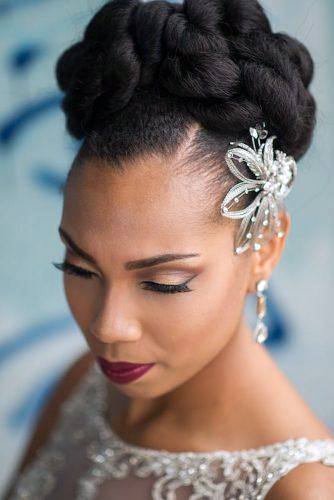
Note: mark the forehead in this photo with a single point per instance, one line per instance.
(145, 201)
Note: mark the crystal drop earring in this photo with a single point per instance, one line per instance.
(260, 333)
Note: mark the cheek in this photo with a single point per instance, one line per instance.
(79, 293)
(194, 328)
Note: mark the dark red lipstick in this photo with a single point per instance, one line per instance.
(123, 372)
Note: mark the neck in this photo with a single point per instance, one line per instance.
(213, 395)
(223, 382)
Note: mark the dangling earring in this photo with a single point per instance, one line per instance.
(260, 333)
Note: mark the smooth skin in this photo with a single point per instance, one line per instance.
(212, 387)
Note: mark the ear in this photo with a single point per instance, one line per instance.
(265, 260)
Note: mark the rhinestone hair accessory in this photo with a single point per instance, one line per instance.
(274, 176)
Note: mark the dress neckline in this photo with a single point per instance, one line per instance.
(105, 430)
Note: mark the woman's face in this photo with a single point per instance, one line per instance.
(144, 212)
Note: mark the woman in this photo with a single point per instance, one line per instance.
(173, 213)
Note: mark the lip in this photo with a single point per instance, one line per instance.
(123, 372)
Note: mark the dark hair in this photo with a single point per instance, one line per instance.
(145, 73)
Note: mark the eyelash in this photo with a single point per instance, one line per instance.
(68, 268)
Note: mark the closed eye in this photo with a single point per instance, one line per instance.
(69, 268)
(159, 287)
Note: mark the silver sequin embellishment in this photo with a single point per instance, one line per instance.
(230, 475)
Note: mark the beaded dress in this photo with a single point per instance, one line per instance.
(84, 459)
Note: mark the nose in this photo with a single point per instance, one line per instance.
(115, 319)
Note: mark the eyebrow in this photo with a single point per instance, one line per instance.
(133, 264)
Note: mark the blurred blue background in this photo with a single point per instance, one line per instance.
(38, 337)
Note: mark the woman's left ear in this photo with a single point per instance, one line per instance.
(265, 260)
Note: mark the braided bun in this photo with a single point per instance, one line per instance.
(217, 59)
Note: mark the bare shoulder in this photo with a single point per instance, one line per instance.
(310, 481)
(49, 413)
(278, 410)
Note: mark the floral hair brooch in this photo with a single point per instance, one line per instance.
(274, 176)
